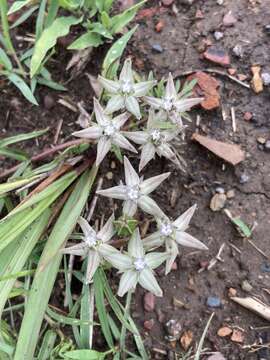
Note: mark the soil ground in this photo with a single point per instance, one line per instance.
(180, 39)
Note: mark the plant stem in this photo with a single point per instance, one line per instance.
(124, 329)
(6, 34)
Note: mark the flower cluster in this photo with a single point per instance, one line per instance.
(164, 125)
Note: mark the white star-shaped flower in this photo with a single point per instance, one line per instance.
(136, 266)
(107, 132)
(172, 234)
(125, 92)
(172, 103)
(135, 192)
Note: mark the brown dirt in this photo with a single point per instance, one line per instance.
(180, 39)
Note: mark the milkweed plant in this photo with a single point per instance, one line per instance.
(126, 98)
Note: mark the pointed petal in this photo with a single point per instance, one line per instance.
(149, 185)
(131, 177)
(85, 226)
(173, 251)
(135, 245)
(118, 260)
(184, 239)
(153, 241)
(92, 265)
(119, 140)
(170, 91)
(149, 282)
(169, 135)
(128, 281)
(182, 222)
(142, 88)
(101, 118)
(92, 132)
(116, 192)
(109, 85)
(151, 119)
(166, 151)
(120, 120)
(129, 208)
(186, 104)
(149, 206)
(126, 72)
(152, 101)
(139, 137)
(107, 232)
(77, 250)
(103, 147)
(147, 154)
(154, 260)
(133, 106)
(117, 102)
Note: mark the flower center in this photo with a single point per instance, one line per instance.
(167, 104)
(139, 264)
(91, 239)
(127, 87)
(155, 134)
(133, 193)
(166, 229)
(109, 130)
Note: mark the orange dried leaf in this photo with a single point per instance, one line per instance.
(224, 331)
(186, 339)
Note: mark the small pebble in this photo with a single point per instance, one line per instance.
(232, 292)
(148, 324)
(238, 51)
(266, 78)
(267, 145)
(248, 116)
(218, 35)
(220, 2)
(218, 202)
(265, 267)
(220, 190)
(186, 2)
(173, 328)
(48, 102)
(229, 19)
(244, 178)
(213, 302)
(217, 55)
(261, 140)
(149, 301)
(157, 48)
(109, 175)
(246, 286)
(167, 2)
(230, 194)
(159, 26)
(267, 29)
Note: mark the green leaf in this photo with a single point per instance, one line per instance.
(40, 18)
(15, 184)
(61, 319)
(19, 155)
(85, 315)
(14, 256)
(84, 355)
(24, 16)
(60, 27)
(5, 61)
(45, 276)
(115, 53)
(244, 229)
(23, 87)
(17, 5)
(100, 29)
(118, 22)
(47, 345)
(86, 40)
(51, 84)
(22, 137)
(101, 310)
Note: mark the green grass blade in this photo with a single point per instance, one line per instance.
(61, 319)
(45, 276)
(101, 310)
(200, 345)
(15, 184)
(85, 315)
(14, 256)
(22, 137)
(23, 87)
(47, 345)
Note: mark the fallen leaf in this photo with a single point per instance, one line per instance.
(224, 331)
(256, 82)
(206, 87)
(218, 202)
(254, 305)
(228, 152)
(95, 84)
(237, 336)
(186, 339)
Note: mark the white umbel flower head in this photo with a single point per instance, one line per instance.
(125, 92)
(106, 132)
(92, 246)
(172, 234)
(154, 140)
(136, 266)
(135, 192)
(172, 103)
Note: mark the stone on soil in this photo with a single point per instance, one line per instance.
(217, 55)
